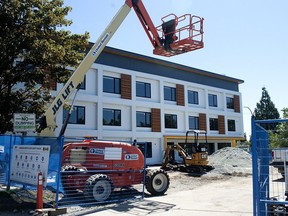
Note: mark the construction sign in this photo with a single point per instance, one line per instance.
(24, 122)
(28, 161)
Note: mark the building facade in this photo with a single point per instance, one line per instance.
(128, 97)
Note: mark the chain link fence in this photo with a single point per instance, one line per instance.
(269, 158)
(81, 172)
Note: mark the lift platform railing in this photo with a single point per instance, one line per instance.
(180, 34)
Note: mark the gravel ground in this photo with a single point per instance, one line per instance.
(229, 163)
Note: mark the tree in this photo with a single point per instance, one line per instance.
(266, 109)
(33, 52)
(280, 139)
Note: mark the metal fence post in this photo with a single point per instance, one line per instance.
(254, 168)
(9, 164)
(61, 142)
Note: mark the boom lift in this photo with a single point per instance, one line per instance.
(194, 155)
(174, 36)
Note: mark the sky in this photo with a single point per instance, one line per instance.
(244, 39)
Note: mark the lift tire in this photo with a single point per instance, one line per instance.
(98, 188)
(69, 189)
(157, 182)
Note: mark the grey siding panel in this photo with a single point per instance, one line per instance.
(150, 67)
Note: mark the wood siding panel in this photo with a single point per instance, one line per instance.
(221, 124)
(202, 121)
(236, 103)
(155, 120)
(180, 98)
(126, 86)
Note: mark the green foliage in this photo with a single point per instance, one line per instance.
(266, 109)
(33, 51)
(280, 138)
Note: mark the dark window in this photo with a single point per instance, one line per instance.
(193, 97)
(143, 89)
(77, 115)
(169, 93)
(230, 102)
(213, 123)
(170, 121)
(231, 125)
(111, 85)
(212, 100)
(148, 145)
(223, 145)
(194, 122)
(143, 119)
(83, 84)
(112, 117)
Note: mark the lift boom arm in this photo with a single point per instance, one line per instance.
(47, 122)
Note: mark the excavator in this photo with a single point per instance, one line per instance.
(174, 36)
(194, 155)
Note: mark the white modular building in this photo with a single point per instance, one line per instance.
(130, 97)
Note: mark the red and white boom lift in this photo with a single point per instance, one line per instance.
(175, 35)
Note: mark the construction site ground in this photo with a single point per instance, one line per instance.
(226, 190)
(187, 195)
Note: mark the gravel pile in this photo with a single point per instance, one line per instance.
(231, 161)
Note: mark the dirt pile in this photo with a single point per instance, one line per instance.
(231, 161)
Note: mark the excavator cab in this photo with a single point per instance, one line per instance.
(196, 146)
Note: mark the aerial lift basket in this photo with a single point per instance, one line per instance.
(179, 34)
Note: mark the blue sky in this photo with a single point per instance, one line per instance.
(243, 39)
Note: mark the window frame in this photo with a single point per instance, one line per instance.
(147, 119)
(231, 128)
(114, 86)
(212, 100)
(75, 115)
(213, 124)
(173, 120)
(115, 113)
(146, 89)
(195, 124)
(83, 84)
(149, 152)
(229, 102)
(193, 97)
(169, 93)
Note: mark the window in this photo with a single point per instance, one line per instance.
(212, 100)
(112, 117)
(170, 121)
(77, 115)
(231, 125)
(193, 97)
(193, 123)
(213, 123)
(143, 89)
(148, 145)
(83, 84)
(223, 145)
(143, 119)
(169, 93)
(111, 85)
(230, 103)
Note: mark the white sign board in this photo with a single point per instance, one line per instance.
(28, 161)
(112, 153)
(24, 122)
